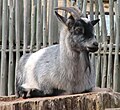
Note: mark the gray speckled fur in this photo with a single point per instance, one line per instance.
(58, 66)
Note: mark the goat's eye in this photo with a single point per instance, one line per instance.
(79, 30)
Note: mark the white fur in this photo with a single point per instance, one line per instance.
(85, 19)
(29, 66)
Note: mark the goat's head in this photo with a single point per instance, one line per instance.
(80, 29)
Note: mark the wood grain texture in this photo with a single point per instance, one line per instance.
(88, 101)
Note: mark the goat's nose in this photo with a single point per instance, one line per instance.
(95, 44)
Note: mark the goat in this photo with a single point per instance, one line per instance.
(63, 68)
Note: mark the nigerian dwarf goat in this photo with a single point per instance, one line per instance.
(62, 68)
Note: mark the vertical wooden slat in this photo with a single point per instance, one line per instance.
(80, 4)
(55, 24)
(73, 2)
(39, 33)
(9, 3)
(64, 5)
(26, 24)
(32, 41)
(18, 8)
(0, 34)
(104, 34)
(84, 7)
(0, 21)
(103, 21)
(110, 60)
(11, 35)
(44, 23)
(50, 34)
(3, 54)
(91, 18)
(91, 10)
(97, 27)
(97, 30)
(98, 68)
(116, 85)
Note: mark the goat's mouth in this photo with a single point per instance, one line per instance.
(92, 49)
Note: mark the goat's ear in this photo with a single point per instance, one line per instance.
(61, 18)
(71, 17)
(70, 22)
(94, 22)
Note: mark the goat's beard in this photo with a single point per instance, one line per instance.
(87, 60)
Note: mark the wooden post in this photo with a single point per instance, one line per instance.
(3, 91)
(72, 3)
(51, 9)
(91, 10)
(110, 60)
(64, 5)
(44, 23)
(32, 41)
(91, 18)
(97, 27)
(84, 7)
(26, 24)
(0, 21)
(80, 4)
(39, 25)
(55, 24)
(11, 36)
(18, 8)
(104, 34)
(0, 33)
(98, 68)
(116, 80)
(97, 30)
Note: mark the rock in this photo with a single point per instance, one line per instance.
(87, 101)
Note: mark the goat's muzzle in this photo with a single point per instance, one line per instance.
(93, 48)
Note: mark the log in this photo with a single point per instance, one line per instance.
(86, 101)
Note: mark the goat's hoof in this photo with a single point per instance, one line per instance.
(24, 93)
(29, 93)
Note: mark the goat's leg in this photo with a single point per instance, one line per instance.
(25, 91)
(57, 92)
(36, 93)
(98, 89)
(22, 92)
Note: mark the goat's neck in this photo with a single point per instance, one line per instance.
(71, 59)
(65, 51)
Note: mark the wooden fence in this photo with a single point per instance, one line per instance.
(29, 25)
